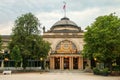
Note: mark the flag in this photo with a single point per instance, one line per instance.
(64, 6)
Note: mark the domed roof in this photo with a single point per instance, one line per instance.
(65, 25)
(65, 22)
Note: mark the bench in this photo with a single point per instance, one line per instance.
(7, 72)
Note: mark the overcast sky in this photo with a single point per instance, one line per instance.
(82, 12)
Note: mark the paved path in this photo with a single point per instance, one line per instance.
(56, 76)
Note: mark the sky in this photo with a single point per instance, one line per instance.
(82, 12)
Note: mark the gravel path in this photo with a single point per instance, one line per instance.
(56, 76)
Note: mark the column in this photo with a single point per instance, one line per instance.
(71, 62)
(61, 63)
(80, 63)
(51, 62)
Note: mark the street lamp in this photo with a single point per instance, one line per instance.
(41, 59)
(41, 62)
(95, 59)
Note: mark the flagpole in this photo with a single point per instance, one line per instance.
(64, 8)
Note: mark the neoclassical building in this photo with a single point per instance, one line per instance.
(66, 39)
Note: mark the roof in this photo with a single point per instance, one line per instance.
(65, 21)
(65, 25)
(5, 36)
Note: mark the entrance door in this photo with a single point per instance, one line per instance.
(57, 63)
(66, 63)
(75, 63)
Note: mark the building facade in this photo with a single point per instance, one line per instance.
(66, 40)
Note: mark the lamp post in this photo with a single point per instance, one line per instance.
(7, 60)
(2, 64)
(41, 62)
(95, 61)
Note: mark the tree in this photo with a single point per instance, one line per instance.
(40, 48)
(0, 43)
(26, 35)
(102, 40)
(0, 47)
(15, 55)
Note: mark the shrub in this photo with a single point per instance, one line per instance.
(105, 72)
(96, 71)
(116, 68)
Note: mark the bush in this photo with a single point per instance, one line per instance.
(105, 72)
(96, 71)
(116, 70)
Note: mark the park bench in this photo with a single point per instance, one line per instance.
(7, 72)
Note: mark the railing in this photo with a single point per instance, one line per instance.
(31, 64)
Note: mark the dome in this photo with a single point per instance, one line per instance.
(65, 21)
(65, 25)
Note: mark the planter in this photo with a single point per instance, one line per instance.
(105, 74)
(115, 73)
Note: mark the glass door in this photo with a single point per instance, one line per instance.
(75, 63)
(66, 63)
(57, 63)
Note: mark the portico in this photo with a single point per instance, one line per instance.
(66, 62)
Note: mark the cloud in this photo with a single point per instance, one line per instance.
(85, 17)
(48, 19)
(82, 12)
(6, 29)
(7, 2)
(81, 18)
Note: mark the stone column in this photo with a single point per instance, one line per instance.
(71, 62)
(80, 63)
(61, 63)
(51, 62)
